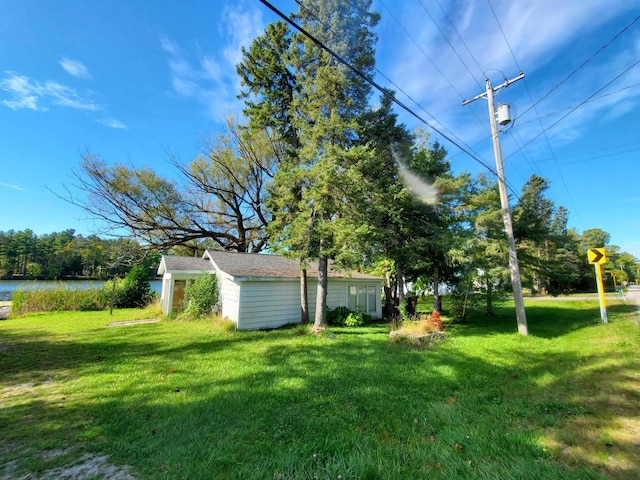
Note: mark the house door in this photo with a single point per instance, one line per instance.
(178, 295)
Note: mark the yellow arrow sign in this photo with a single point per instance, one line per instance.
(596, 255)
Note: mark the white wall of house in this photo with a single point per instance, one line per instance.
(268, 303)
(271, 303)
(228, 298)
(257, 303)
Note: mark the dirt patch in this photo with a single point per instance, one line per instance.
(89, 466)
(133, 322)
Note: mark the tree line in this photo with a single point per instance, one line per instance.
(59, 255)
(321, 169)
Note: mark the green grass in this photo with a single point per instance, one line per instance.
(179, 399)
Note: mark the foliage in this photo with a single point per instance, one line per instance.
(220, 204)
(489, 404)
(65, 254)
(420, 324)
(58, 299)
(201, 295)
(344, 317)
(464, 301)
(134, 291)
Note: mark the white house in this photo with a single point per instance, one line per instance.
(263, 291)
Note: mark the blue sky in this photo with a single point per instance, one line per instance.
(133, 81)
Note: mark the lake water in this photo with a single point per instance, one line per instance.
(7, 287)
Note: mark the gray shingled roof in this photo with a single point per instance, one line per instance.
(270, 266)
(251, 265)
(174, 263)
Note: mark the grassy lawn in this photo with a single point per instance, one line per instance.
(187, 400)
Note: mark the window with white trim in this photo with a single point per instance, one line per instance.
(362, 298)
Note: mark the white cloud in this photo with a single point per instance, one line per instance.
(210, 78)
(112, 123)
(75, 68)
(27, 93)
(12, 187)
(241, 27)
(548, 38)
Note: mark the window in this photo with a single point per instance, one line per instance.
(362, 298)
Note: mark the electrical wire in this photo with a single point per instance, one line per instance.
(546, 137)
(613, 39)
(450, 45)
(374, 84)
(433, 20)
(480, 70)
(581, 103)
(397, 87)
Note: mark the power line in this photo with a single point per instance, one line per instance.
(614, 92)
(480, 70)
(397, 87)
(580, 104)
(553, 155)
(373, 83)
(613, 39)
(419, 47)
(450, 44)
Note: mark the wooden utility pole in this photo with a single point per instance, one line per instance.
(504, 202)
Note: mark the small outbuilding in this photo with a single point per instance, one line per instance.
(263, 291)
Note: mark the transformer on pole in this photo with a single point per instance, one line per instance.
(502, 116)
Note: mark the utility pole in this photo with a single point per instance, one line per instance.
(504, 201)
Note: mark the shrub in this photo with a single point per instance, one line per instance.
(354, 320)
(343, 317)
(201, 295)
(463, 302)
(435, 321)
(132, 292)
(337, 316)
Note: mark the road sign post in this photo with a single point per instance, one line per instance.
(597, 257)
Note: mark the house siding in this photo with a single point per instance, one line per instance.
(267, 297)
(271, 304)
(268, 304)
(229, 299)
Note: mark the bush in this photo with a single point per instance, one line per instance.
(464, 302)
(343, 317)
(337, 316)
(132, 292)
(354, 320)
(201, 296)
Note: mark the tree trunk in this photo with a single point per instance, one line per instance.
(321, 300)
(389, 308)
(304, 297)
(437, 303)
(537, 279)
(400, 282)
(489, 297)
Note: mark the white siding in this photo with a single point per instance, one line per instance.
(229, 299)
(269, 304)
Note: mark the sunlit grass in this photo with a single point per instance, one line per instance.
(179, 399)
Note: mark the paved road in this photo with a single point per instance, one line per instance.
(633, 294)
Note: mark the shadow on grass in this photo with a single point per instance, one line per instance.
(276, 405)
(548, 319)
